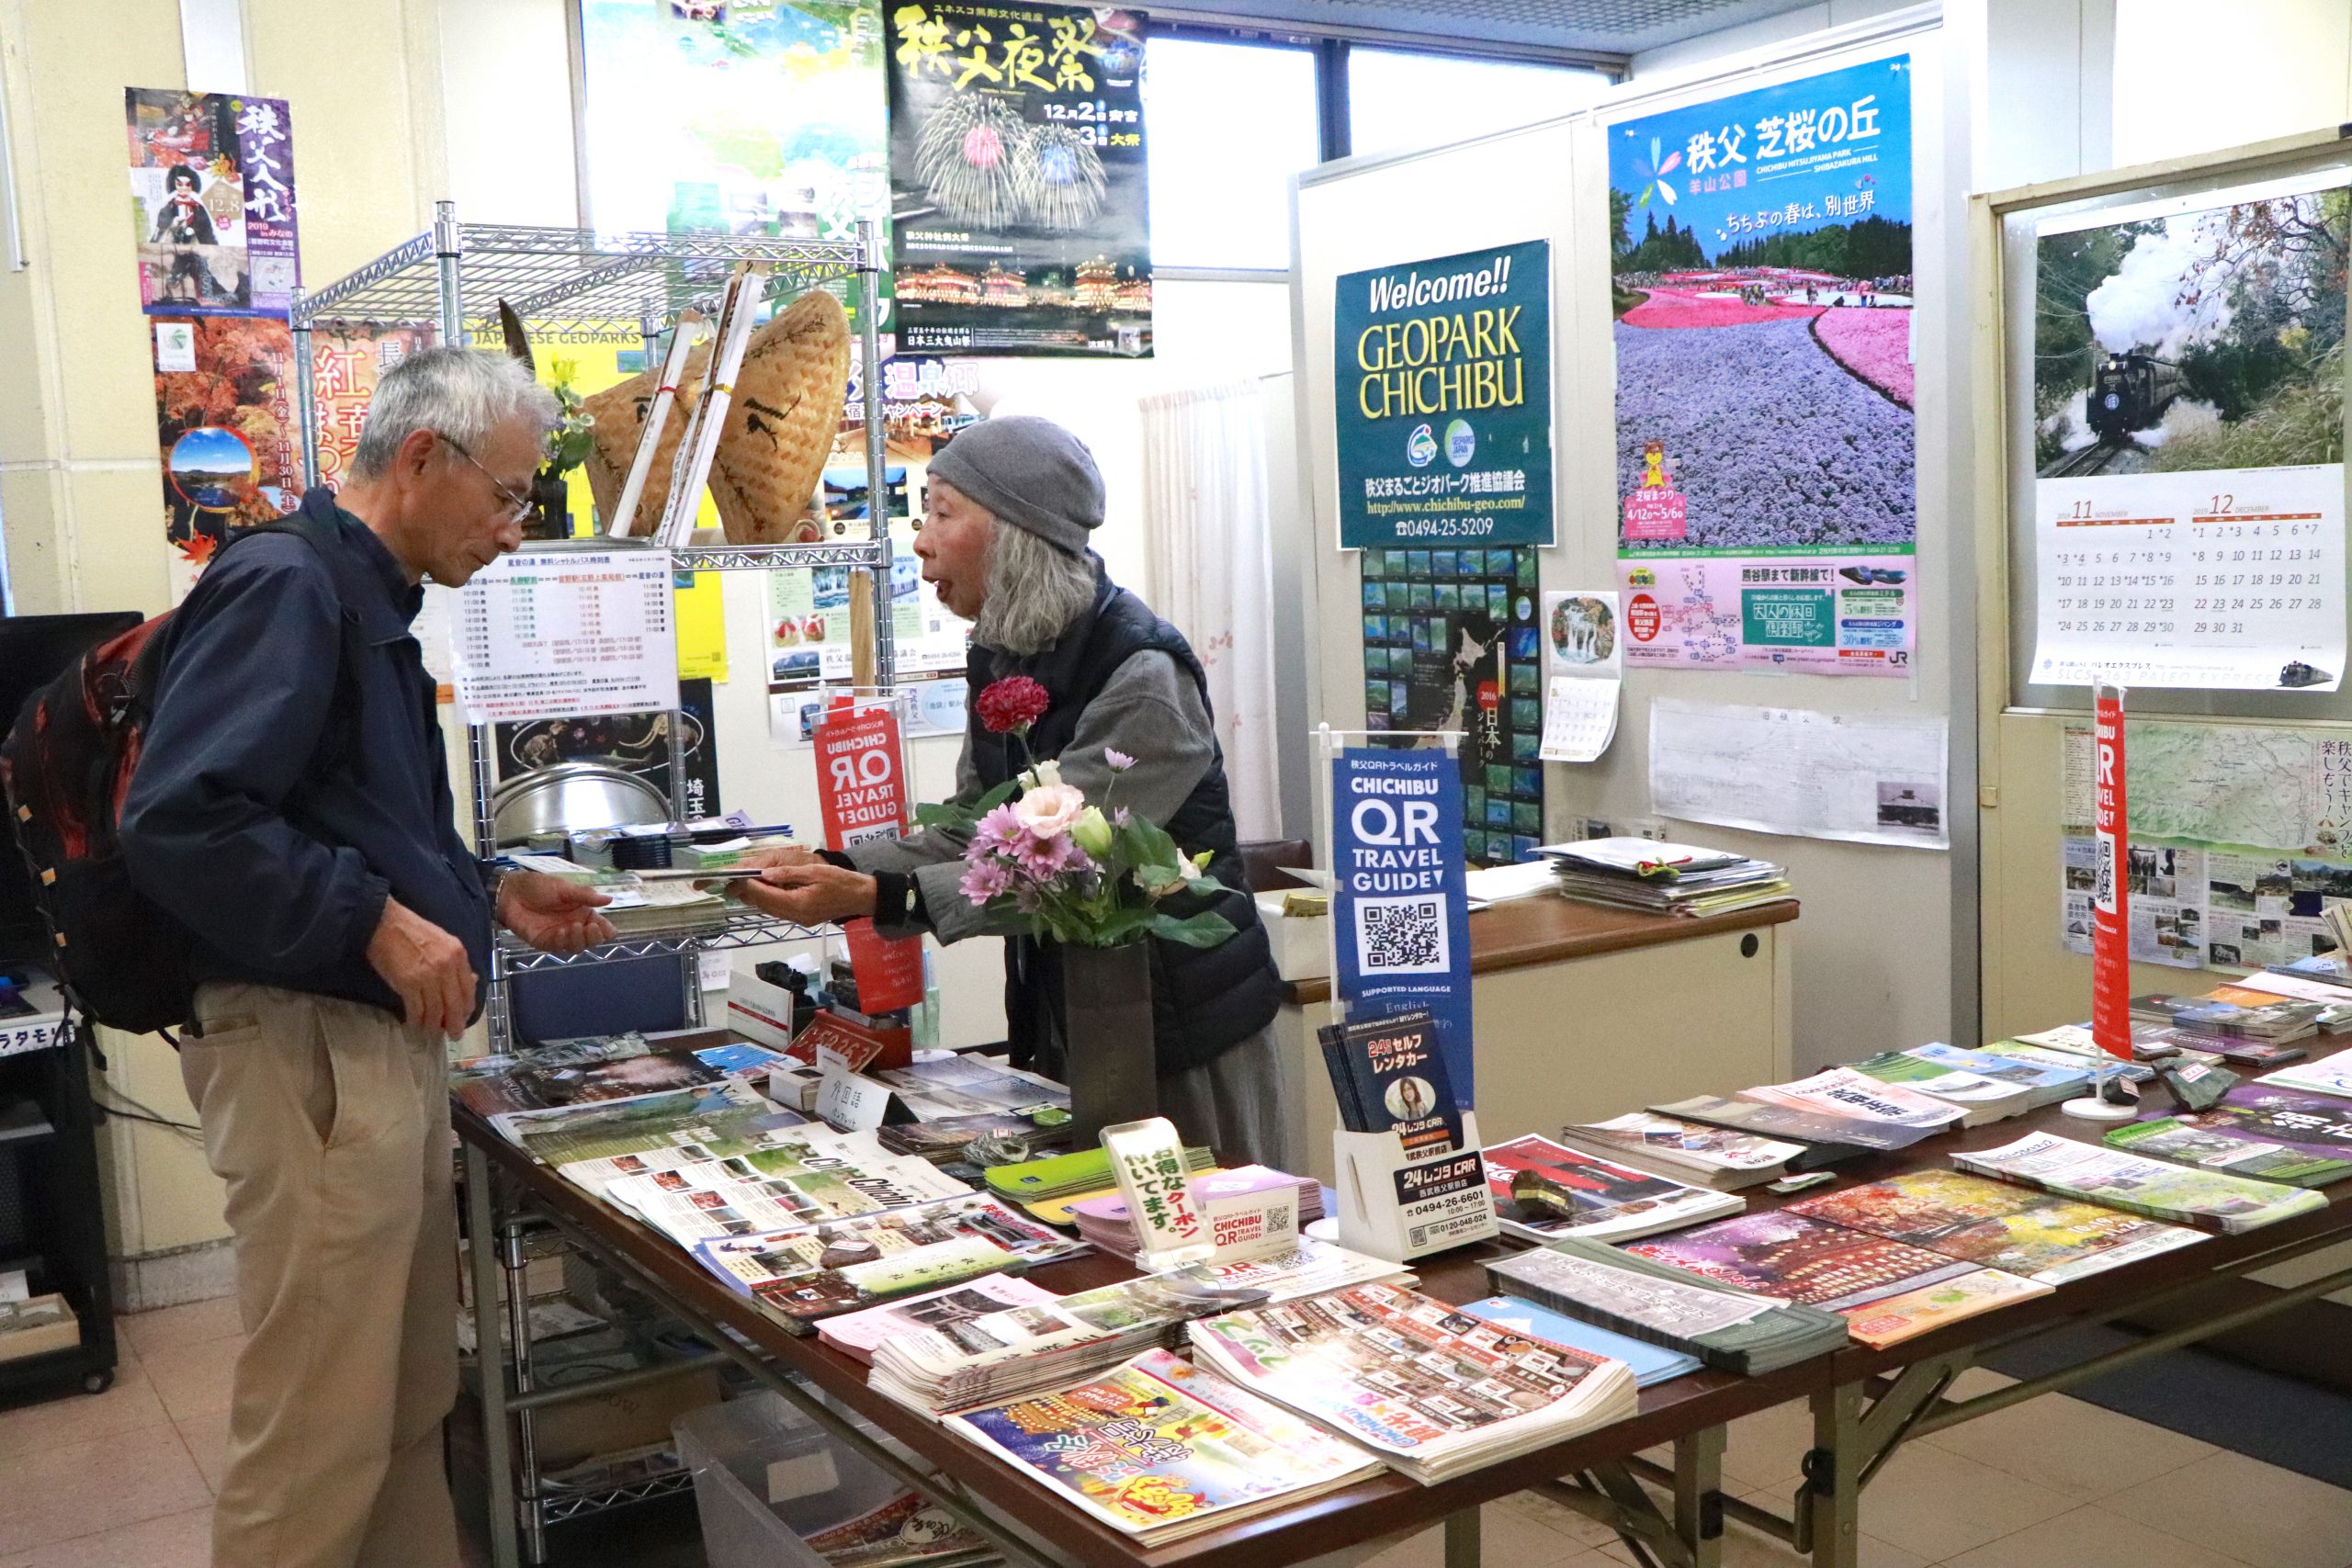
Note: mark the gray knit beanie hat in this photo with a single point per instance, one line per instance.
(1031, 473)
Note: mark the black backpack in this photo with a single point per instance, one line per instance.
(66, 768)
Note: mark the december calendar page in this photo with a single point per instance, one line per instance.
(2188, 365)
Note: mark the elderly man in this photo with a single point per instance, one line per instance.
(1013, 502)
(291, 808)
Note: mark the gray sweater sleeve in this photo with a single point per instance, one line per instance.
(1150, 709)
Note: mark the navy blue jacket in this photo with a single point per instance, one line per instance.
(270, 826)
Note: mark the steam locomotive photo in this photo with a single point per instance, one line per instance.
(2131, 392)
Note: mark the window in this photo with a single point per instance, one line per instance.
(1226, 125)
(1398, 101)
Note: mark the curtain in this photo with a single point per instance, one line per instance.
(1209, 556)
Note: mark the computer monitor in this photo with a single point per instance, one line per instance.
(34, 649)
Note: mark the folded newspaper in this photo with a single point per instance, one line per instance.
(1725, 1327)
(799, 1180)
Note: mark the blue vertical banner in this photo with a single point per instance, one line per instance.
(1402, 900)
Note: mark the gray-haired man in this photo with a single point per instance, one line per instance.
(1013, 502)
(291, 807)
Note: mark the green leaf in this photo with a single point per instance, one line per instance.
(932, 814)
(1194, 931)
(995, 798)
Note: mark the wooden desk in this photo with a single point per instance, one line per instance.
(1688, 1412)
(1583, 1012)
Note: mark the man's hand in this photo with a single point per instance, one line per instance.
(426, 968)
(808, 892)
(550, 913)
(783, 855)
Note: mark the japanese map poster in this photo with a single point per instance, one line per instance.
(2240, 836)
(212, 198)
(2187, 438)
(1864, 778)
(1761, 250)
(1443, 392)
(1452, 642)
(1017, 186)
(752, 117)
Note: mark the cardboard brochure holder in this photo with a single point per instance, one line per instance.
(1401, 1207)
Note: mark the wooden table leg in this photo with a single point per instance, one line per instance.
(1698, 1496)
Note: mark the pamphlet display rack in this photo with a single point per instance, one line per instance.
(1401, 1206)
(588, 285)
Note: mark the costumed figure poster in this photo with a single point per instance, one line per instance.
(1017, 175)
(744, 116)
(212, 201)
(1452, 642)
(1761, 252)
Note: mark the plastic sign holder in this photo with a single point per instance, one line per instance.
(1401, 1207)
(2110, 914)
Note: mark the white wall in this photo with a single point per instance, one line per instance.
(2194, 77)
(1701, 56)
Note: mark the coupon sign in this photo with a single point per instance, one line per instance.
(862, 790)
(2110, 900)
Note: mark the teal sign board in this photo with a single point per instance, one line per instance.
(1442, 390)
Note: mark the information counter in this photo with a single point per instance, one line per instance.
(1585, 1012)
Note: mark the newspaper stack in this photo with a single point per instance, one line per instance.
(1434, 1391)
(1665, 879)
(1724, 1327)
(941, 1367)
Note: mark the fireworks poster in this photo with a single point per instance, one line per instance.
(1017, 189)
(1766, 442)
(212, 200)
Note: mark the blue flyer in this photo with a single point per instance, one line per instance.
(1402, 900)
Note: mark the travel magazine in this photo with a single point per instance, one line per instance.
(2036, 1235)
(1843, 1092)
(2259, 1130)
(1543, 1189)
(708, 1114)
(856, 1333)
(1887, 1290)
(821, 1175)
(842, 1266)
(2183, 1194)
(1434, 1391)
(1721, 1158)
(1161, 1448)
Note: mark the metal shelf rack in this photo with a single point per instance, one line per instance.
(581, 283)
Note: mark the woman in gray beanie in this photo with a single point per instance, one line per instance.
(1012, 504)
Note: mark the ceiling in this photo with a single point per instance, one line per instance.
(1604, 26)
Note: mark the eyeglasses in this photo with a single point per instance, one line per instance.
(518, 507)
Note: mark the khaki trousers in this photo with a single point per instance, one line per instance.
(329, 1123)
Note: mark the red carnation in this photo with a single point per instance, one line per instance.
(1011, 706)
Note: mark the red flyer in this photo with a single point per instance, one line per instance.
(2110, 900)
(862, 786)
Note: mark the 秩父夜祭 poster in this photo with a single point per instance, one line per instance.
(1763, 271)
(1017, 191)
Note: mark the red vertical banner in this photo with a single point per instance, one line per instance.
(2110, 900)
(862, 788)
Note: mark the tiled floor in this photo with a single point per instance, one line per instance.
(125, 1479)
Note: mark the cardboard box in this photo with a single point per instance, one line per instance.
(1302, 944)
(37, 1326)
(758, 1011)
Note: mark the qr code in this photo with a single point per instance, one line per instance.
(1401, 936)
(2103, 878)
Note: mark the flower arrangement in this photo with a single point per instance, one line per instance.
(1047, 862)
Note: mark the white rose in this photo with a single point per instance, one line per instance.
(1050, 809)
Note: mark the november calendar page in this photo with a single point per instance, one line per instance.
(2188, 440)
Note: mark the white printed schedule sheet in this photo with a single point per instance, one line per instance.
(560, 633)
(2227, 579)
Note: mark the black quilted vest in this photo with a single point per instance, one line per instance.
(1204, 999)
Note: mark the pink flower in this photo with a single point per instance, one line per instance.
(1049, 810)
(984, 879)
(1045, 859)
(1122, 817)
(1120, 761)
(997, 831)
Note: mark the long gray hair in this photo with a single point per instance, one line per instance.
(460, 394)
(1035, 590)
